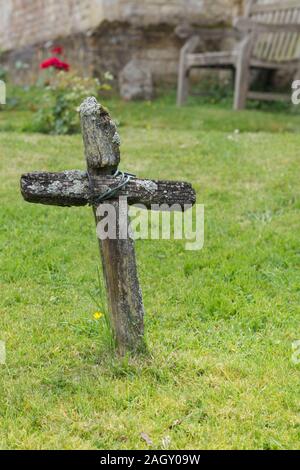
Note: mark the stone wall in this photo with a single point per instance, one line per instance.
(101, 35)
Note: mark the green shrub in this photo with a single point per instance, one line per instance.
(58, 113)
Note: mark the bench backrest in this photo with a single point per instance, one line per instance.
(279, 46)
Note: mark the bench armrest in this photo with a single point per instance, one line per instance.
(185, 31)
(191, 45)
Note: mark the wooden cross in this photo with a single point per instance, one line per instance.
(78, 188)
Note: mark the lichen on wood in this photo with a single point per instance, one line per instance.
(71, 188)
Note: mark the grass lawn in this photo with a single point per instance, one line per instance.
(219, 322)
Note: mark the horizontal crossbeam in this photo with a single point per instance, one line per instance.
(72, 188)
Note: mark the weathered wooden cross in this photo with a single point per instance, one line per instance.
(78, 188)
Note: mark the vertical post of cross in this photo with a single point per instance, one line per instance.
(102, 152)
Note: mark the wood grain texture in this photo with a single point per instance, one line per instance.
(101, 142)
(100, 136)
(71, 188)
(123, 289)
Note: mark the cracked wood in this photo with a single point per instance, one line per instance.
(71, 188)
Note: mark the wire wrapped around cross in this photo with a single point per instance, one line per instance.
(95, 199)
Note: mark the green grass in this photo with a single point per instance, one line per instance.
(219, 323)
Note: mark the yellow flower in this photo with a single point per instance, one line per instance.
(98, 315)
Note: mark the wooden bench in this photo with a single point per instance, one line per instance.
(270, 41)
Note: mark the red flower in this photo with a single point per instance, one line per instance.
(56, 63)
(57, 50)
(64, 66)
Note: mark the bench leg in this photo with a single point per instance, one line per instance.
(183, 84)
(242, 76)
(184, 70)
(242, 79)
